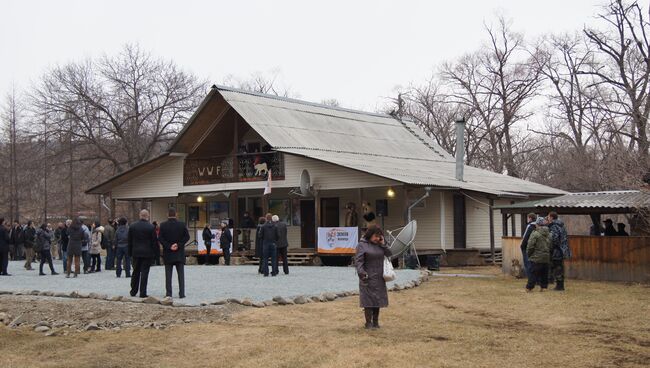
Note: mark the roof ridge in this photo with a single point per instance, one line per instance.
(280, 148)
(302, 102)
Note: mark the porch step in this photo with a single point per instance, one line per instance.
(487, 255)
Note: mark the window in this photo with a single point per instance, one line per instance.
(282, 208)
(218, 211)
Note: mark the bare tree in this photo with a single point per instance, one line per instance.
(127, 107)
(623, 66)
(259, 82)
(496, 83)
(11, 116)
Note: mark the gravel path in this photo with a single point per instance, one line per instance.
(202, 283)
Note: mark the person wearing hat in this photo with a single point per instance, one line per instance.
(224, 242)
(621, 230)
(538, 250)
(609, 228)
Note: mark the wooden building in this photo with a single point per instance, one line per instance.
(217, 168)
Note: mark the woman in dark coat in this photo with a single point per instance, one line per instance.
(369, 261)
(207, 236)
(76, 236)
(224, 242)
(258, 242)
(44, 244)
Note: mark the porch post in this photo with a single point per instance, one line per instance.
(492, 250)
(443, 225)
(234, 203)
(513, 223)
(524, 219)
(504, 224)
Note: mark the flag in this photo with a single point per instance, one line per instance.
(267, 188)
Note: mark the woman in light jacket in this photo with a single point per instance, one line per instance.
(96, 248)
(369, 261)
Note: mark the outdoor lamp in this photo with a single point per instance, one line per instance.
(199, 199)
(390, 193)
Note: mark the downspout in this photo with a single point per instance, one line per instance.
(110, 213)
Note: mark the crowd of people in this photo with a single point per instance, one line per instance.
(133, 248)
(545, 246)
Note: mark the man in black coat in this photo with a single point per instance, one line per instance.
(17, 237)
(4, 248)
(30, 239)
(173, 236)
(142, 240)
(283, 243)
(524, 240)
(270, 238)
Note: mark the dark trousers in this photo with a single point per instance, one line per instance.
(85, 258)
(122, 255)
(557, 270)
(64, 258)
(282, 255)
(4, 262)
(110, 259)
(226, 255)
(96, 264)
(526, 262)
(180, 270)
(538, 275)
(46, 256)
(141, 266)
(269, 250)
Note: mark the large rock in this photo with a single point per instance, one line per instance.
(18, 321)
(330, 296)
(259, 304)
(4, 318)
(247, 302)
(151, 300)
(167, 301)
(234, 301)
(220, 302)
(300, 300)
(41, 329)
(92, 326)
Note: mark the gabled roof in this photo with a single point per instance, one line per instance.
(376, 144)
(625, 201)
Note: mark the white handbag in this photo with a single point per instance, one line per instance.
(389, 272)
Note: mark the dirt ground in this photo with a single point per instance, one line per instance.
(446, 322)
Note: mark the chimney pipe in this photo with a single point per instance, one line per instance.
(460, 148)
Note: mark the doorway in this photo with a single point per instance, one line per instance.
(307, 224)
(329, 212)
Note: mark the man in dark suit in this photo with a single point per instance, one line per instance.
(4, 248)
(173, 236)
(142, 240)
(269, 240)
(283, 243)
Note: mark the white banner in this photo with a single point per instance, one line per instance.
(215, 249)
(338, 239)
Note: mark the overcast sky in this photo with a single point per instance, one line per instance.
(354, 51)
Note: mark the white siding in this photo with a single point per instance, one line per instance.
(163, 181)
(167, 180)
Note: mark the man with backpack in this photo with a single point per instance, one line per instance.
(559, 249)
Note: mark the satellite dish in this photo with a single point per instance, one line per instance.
(305, 183)
(404, 239)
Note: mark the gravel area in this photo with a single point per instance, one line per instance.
(204, 284)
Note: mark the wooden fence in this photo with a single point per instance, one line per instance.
(596, 257)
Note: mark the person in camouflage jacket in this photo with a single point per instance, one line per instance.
(559, 250)
(538, 254)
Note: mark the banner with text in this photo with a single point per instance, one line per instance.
(215, 249)
(338, 239)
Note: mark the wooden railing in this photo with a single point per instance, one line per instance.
(599, 258)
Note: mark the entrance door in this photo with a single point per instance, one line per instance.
(307, 224)
(329, 212)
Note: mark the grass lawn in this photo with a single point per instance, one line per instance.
(446, 322)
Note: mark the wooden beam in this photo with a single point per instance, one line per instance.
(234, 203)
(213, 125)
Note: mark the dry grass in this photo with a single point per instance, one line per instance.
(450, 322)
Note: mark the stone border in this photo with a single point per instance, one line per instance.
(278, 300)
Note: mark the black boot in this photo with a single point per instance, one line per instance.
(559, 286)
(375, 318)
(368, 313)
